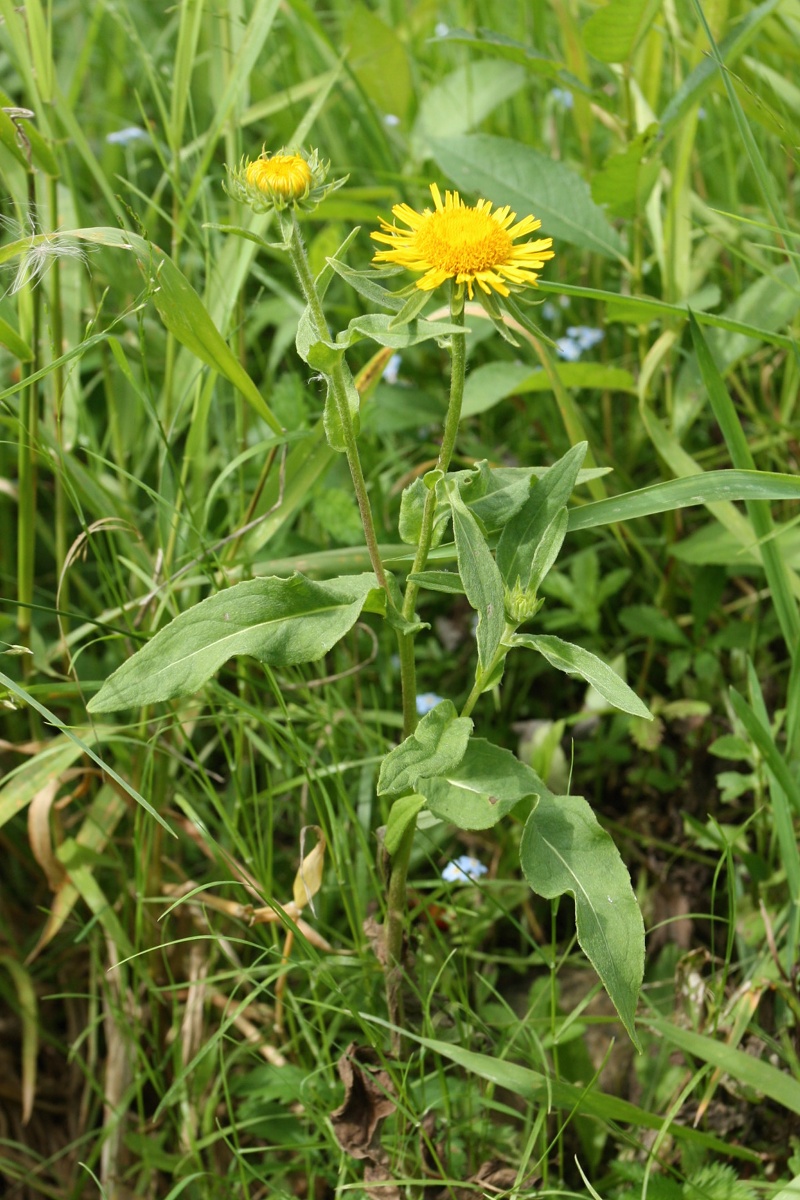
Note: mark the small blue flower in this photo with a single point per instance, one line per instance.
(562, 98)
(463, 869)
(441, 29)
(391, 120)
(124, 137)
(392, 368)
(426, 702)
(549, 310)
(585, 335)
(567, 349)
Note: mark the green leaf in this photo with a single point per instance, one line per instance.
(777, 1085)
(508, 172)
(704, 488)
(564, 849)
(482, 789)
(645, 620)
(625, 181)
(481, 578)
(612, 33)
(401, 814)
(490, 383)
(277, 621)
(705, 75)
(463, 99)
(522, 534)
(412, 504)
(367, 285)
(550, 1090)
(379, 60)
(438, 581)
(413, 305)
(437, 745)
(574, 660)
(382, 329)
(548, 548)
(763, 738)
(14, 343)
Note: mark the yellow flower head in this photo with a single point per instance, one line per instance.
(288, 178)
(287, 175)
(469, 245)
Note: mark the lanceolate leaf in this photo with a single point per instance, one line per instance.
(480, 576)
(437, 745)
(704, 488)
(486, 784)
(613, 32)
(277, 621)
(565, 850)
(574, 660)
(521, 536)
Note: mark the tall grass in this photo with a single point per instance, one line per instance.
(159, 1042)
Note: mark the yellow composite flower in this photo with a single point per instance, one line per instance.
(469, 245)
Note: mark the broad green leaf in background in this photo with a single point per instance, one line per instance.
(576, 661)
(463, 99)
(483, 788)
(379, 61)
(480, 576)
(490, 383)
(613, 32)
(564, 849)
(522, 534)
(499, 45)
(277, 621)
(508, 172)
(437, 745)
(625, 181)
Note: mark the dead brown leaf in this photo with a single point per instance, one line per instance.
(368, 1100)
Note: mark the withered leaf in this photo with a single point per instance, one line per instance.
(368, 1100)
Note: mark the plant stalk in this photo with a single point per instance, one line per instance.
(397, 900)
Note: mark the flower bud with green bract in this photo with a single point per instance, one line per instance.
(521, 605)
(287, 179)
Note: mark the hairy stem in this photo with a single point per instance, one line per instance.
(397, 905)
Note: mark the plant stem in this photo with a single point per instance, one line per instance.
(338, 385)
(397, 903)
(458, 359)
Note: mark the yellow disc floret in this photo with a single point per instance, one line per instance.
(471, 245)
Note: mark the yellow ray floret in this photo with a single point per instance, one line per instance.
(469, 245)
